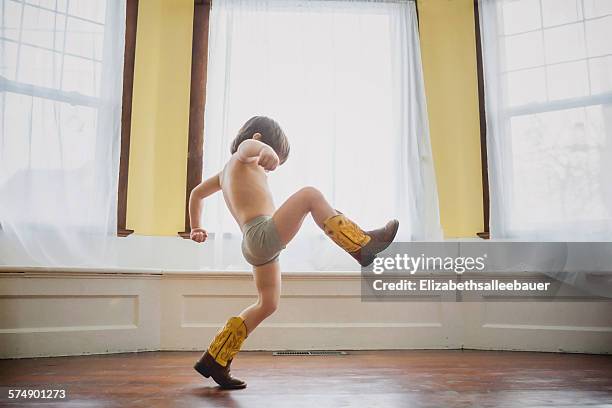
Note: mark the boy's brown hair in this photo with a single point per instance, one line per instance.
(271, 134)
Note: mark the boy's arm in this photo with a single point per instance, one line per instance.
(203, 190)
(252, 150)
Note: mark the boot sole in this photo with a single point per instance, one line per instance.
(237, 387)
(370, 258)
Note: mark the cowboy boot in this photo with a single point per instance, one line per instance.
(208, 367)
(361, 245)
(217, 359)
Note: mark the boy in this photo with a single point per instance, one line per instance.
(259, 147)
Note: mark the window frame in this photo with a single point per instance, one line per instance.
(131, 22)
(522, 110)
(197, 102)
(484, 163)
(126, 108)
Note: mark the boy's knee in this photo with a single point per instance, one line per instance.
(310, 192)
(268, 307)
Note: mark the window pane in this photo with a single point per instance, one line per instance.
(14, 131)
(524, 87)
(42, 134)
(524, 51)
(11, 16)
(599, 36)
(569, 80)
(81, 75)
(555, 12)
(601, 75)
(8, 59)
(84, 39)
(42, 28)
(557, 161)
(36, 67)
(78, 133)
(521, 15)
(597, 8)
(564, 43)
(90, 10)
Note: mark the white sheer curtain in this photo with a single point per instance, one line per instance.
(548, 80)
(344, 80)
(60, 113)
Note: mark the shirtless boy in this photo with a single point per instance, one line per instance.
(261, 146)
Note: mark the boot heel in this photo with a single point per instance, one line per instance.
(366, 260)
(201, 370)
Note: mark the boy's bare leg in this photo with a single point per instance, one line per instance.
(361, 245)
(288, 220)
(268, 282)
(289, 216)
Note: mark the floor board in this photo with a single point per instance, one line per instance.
(370, 379)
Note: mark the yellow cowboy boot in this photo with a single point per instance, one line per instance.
(216, 360)
(361, 245)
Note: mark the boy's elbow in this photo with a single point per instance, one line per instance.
(240, 155)
(242, 148)
(195, 195)
(247, 150)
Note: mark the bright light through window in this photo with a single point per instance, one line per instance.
(549, 91)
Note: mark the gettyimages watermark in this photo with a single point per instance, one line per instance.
(490, 271)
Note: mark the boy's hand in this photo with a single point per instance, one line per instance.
(268, 159)
(198, 235)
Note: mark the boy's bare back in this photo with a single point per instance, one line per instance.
(245, 190)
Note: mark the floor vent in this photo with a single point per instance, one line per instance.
(309, 353)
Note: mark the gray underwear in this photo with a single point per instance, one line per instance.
(260, 241)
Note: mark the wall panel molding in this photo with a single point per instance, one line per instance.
(73, 312)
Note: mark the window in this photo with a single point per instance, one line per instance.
(344, 80)
(548, 77)
(60, 104)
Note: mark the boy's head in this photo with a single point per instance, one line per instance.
(271, 134)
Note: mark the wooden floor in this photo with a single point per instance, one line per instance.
(368, 379)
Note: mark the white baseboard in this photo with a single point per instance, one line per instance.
(71, 313)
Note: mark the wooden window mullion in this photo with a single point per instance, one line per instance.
(485, 234)
(131, 18)
(199, 63)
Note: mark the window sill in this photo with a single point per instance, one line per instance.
(42, 272)
(123, 232)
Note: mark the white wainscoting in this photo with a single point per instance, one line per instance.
(52, 312)
(56, 313)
